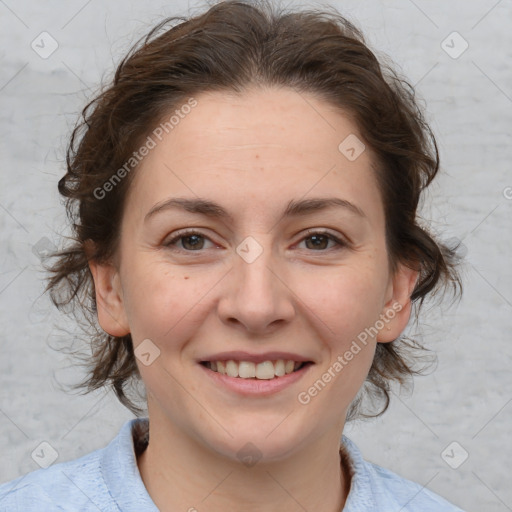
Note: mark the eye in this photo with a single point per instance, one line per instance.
(194, 241)
(321, 239)
(190, 241)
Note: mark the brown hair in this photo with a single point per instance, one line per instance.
(230, 47)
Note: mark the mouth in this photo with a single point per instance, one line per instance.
(249, 370)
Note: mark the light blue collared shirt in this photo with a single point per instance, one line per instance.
(108, 480)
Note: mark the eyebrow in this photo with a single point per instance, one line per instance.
(211, 209)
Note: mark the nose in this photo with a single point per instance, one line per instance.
(257, 297)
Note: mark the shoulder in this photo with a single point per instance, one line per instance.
(380, 489)
(73, 485)
(107, 479)
(96, 481)
(410, 495)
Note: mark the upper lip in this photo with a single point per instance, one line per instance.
(238, 355)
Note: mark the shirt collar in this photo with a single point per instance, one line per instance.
(360, 497)
(121, 473)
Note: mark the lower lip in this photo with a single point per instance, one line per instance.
(256, 387)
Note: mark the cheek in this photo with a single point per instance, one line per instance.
(344, 309)
(163, 303)
(345, 300)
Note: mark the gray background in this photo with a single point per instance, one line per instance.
(469, 102)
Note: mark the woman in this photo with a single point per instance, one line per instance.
(244, 200)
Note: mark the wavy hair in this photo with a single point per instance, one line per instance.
(231, 46)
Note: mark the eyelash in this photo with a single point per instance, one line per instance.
(340, 243)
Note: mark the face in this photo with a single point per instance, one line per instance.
(260, 276)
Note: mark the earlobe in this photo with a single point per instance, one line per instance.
(397, 310)
(109, 299)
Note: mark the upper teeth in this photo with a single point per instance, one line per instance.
(248, 369)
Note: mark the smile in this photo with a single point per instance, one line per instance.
(264, 370)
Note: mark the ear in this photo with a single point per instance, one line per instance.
(397, 310)
(109, 298)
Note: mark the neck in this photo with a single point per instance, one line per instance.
(181, 474)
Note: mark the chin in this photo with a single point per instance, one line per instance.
(267, 439)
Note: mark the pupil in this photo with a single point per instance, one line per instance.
(318, 241)
(194, 244)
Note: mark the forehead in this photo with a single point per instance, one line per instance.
(255, 149)
(269, 119)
